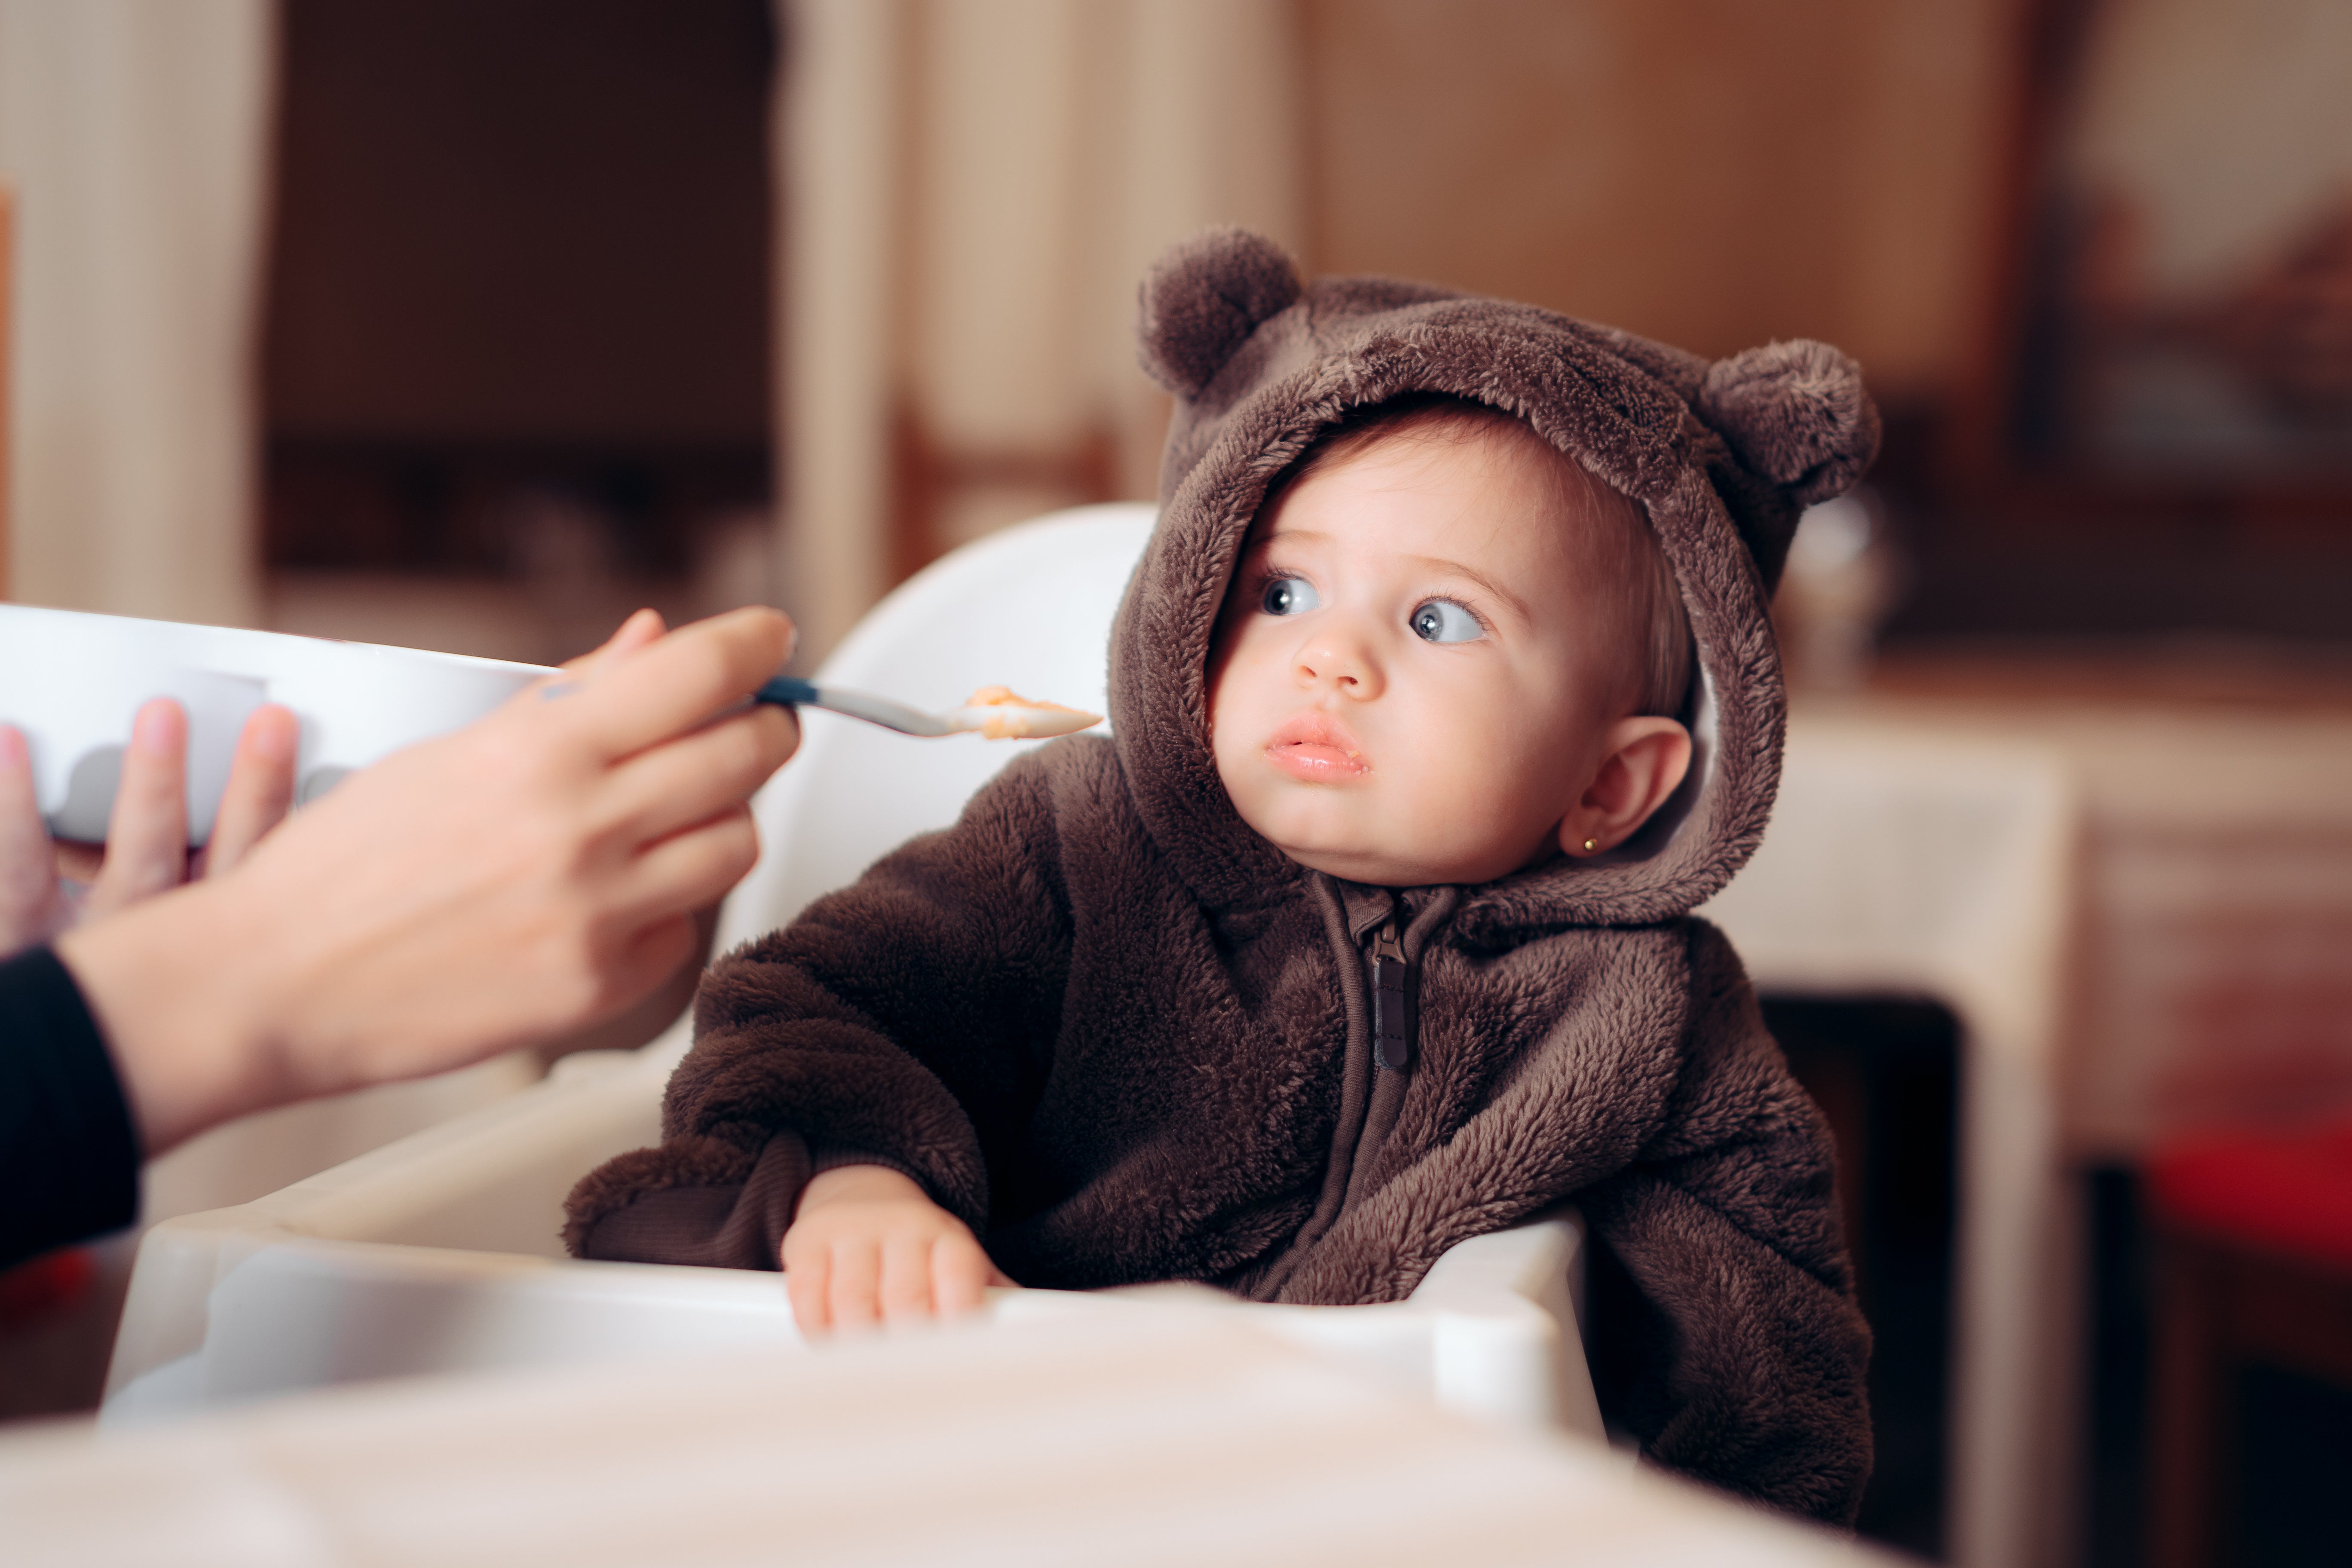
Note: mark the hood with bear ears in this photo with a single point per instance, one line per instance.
(1722, 456)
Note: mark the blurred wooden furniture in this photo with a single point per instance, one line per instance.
(2253, 1263)
(1905, 862)
(2202, 975)
(2079, 485)
(2209, 979)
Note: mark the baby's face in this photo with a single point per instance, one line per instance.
(1408, 682)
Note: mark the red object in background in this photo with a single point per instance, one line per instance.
(2288, 1194)
(43, 1286)
(2253, 1263)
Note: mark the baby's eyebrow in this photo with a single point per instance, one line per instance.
(1479, 578)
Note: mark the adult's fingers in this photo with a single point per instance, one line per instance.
(29, 880)
(665, 788)
(675, 684)
(642, 628)
(260, 786)
(147, 836)
(689, 869)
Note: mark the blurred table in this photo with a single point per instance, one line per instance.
(2165, 942)
(1153, 1437)
(2213, 958)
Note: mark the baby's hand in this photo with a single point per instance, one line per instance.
(866, 1246)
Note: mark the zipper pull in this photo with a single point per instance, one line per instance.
(1392, 1026)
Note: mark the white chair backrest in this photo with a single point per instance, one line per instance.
(1029, 607)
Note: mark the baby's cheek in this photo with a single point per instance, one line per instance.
(1483, 780)
(1224, 729)
(1251, 789)
(1236, 688)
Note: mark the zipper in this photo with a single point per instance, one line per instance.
(1380, 999)
(1392, 978)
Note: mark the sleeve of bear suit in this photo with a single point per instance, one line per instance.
(905, 1020)
(1725, 1335)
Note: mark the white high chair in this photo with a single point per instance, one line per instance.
(1900, 861)
(440, 1253)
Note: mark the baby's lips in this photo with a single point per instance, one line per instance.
(1316, 765)
(1316, 729)
(1316, 748)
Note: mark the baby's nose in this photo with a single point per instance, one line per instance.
(1343, 663)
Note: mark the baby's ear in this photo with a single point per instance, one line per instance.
(1203, 297)
(1796, 414)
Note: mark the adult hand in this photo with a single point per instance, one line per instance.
(522, 878)
(46, 890)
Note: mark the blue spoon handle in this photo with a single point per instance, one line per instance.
(788, 689)
(795, 693)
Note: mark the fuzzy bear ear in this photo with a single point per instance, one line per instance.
(1203, 297)
(1796, 414)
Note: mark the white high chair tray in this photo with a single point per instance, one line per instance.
(1129, 1435)
(438, 1254)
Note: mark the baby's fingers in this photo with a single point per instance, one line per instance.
(808, 1280)
(855, 1294)
(961, 1272)
(906, 1267)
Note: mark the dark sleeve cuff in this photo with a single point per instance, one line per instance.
(700, 1201)
(68, 1153)
(823, 1157)
(693, 1200)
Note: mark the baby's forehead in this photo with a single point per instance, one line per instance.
(1471, 448)
(1443, 426)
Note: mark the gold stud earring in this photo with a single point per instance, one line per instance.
(1590, 845)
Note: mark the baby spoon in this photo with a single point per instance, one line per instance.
(991, 711)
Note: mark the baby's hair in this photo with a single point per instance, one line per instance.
(1620, 549)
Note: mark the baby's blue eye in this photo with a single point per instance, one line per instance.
(1289, 596)
(1442, 620)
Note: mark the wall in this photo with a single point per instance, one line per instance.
(971, 190)
(536, 221)
(134, 135)
(1713, 173)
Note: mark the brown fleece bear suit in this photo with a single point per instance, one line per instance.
(1125, 1039)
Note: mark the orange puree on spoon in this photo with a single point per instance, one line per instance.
(1005, 715)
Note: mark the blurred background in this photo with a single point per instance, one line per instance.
(472, 324)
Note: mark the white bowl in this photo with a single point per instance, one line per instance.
(71, 682)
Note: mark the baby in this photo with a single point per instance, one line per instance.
(1445, 691)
